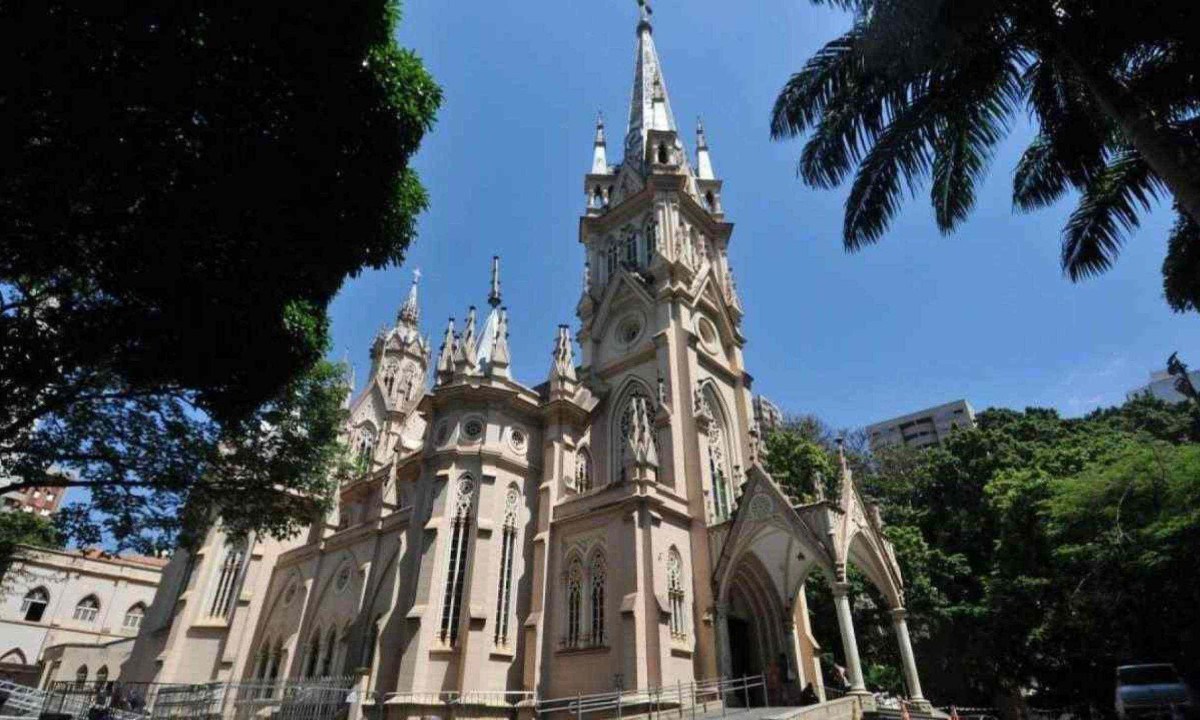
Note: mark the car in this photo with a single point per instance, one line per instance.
(1153, 690)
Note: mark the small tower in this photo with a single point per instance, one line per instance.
(599, 149)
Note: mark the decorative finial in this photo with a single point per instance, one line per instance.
(644, 11)
(494, 295)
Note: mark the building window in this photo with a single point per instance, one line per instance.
(625, 427)
(81, 676)
(364, 447)
(368, 655)
(102, 676)
(574, 603)
(390, 371)
(598, 576)
(583, 471)
(716, 468)
(631, 249)
(226, 588)
(675, 594)
(508, 541)
(456, 564)
(330, 649)
(33, 607)
(313, 659)
(133, 617)
(610, 257)
(87, 609)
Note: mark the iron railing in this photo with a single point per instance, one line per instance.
(679, 699)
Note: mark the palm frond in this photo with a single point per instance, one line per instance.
(986, 98)
(1075, 134)
(805, 95)
(1039, 180)
(1181, 268)
(1107, 212)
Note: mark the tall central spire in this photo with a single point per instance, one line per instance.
(649, 106)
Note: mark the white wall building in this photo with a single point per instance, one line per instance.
(54, 597)
(922, 428)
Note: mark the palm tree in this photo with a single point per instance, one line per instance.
(923, 90)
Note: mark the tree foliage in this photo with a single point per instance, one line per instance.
(185, 187)
(1039, 552)
(20, 528)
(922, 91)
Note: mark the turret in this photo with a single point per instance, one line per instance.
(445, 363)
(563, 381)
(599, 149)
(704, 168)
(500, 358)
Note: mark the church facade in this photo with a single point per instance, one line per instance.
(610, 527)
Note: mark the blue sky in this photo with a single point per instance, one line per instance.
(918, 320)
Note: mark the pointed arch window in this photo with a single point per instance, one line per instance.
(102, 676)
(650, 237)
(597, 580)
(583, 471)
(508, 541)
(720, 479)
(364, 447)
(81, 676)
(225, 591)
(390, 371)
(33, 607)
(87, 609)
(630, 249)
(675, 594)
(134, 616)
(330, 649)
(14, 657)
(456, 564)
(625, 427)
(313, 658)
(574, 579)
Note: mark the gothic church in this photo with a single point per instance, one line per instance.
(609, 527)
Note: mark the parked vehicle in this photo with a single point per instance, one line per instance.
(1153, 691)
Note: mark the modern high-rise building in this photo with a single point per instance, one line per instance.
(922, 428)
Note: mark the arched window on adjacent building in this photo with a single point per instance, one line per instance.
(134, 616)
(87, 609)
(508, 541)
(597, 580)
(456, 561)
(574, 583)
(675, 594)
(81, 676)
(102, 676)
(583, 470)
(33, 607)
(13, 657)
(225, 591)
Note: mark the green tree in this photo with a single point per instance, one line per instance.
(185, 187)
(19, 528)
(924, 90)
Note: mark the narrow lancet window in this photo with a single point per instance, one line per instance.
(456, 566)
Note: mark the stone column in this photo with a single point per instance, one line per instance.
(724, 658)
(841, 600)
(906, 654)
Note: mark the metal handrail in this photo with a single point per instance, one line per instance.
(677, 697)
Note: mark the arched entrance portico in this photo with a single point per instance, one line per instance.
(763, 561)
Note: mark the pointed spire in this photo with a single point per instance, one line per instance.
(465, 346)
(500, 358)
(410, 312)
(704, 168)
(494, 293)
(649, 106)
(599, 149)
(445, 362)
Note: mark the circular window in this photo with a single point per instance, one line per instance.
(342, 580)
(518, 440)
(473, 430)
(708, 334)
(629, 329)
(442, 434)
